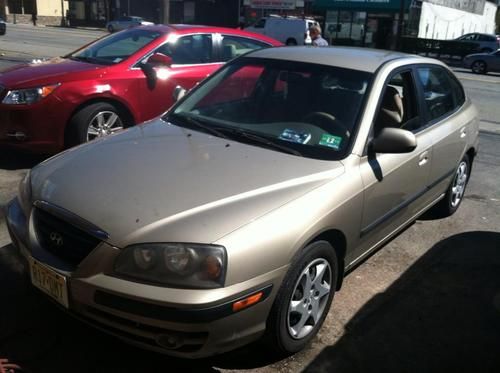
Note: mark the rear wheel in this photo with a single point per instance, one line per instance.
(304, 299)
(479, 67)
(111, 29)
(93, 121)
(455, 193)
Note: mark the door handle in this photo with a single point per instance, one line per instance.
(423, 158)
(463, 133)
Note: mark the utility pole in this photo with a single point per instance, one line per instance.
(164, 11)
(400, 24)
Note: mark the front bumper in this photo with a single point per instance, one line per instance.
(37, 128)
(180, 322)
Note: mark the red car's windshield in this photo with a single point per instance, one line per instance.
(116, 48)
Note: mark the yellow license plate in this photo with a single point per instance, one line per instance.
(49, 281)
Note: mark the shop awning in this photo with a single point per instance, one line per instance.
(360, 5)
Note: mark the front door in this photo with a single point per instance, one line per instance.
(394, 184)
(193, 60)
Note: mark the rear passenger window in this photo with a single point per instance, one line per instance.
(438, 91)
(234, 46)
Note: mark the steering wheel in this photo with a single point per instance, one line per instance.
(327, 122)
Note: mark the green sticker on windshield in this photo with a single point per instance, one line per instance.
(330, 141)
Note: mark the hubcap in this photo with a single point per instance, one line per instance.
(479, 67)
(458, 188)
(102, 124)
(309, 299)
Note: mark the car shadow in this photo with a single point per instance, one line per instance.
(441, 315)
(15, 160)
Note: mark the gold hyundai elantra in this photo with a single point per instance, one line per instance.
(237, 213)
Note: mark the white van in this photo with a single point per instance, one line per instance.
(288, 30)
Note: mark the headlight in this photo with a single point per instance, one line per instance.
(178, 264)
(24, 193)
(29, 96)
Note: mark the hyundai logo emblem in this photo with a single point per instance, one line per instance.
(56, 238)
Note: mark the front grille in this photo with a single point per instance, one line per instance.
(62, 239)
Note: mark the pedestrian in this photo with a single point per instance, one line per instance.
(34, 18)
(317, 40)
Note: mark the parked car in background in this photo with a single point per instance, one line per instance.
(3, 27)
(238, 213)
(126, 22)
(486, 43)
(482, 63)
(288, 30)
(117, 81)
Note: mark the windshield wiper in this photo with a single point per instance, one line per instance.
(259, 139)
(199, 124)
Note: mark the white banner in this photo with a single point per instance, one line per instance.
(273, 4)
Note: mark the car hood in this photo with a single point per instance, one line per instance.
(158, 182)
(54, 70)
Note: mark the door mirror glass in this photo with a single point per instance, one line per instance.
(394, 140)
(160, 59)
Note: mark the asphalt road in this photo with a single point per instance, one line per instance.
(429, 301)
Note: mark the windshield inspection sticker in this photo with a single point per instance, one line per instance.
(294, 136)
(330, 141)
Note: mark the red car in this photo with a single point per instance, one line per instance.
(115, 82)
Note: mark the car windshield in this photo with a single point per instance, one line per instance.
(115, 48)
(305, 109)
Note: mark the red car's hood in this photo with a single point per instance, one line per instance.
(55, 70)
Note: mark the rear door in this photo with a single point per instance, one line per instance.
(446, 120)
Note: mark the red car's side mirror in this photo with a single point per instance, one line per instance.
(160, 59)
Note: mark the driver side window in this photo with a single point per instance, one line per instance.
(189, 50)
(398, 108)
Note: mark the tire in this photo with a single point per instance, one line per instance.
(479, 67)
(456, 190)
(85, 125)
(291, 42)
(284, 332)
(111, 29)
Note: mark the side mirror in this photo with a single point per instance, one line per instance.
(178, 93)
(160, 59)
(394, 140)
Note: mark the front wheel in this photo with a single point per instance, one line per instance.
(304, 299)
(93, 121)
(111, 29)
(479, 67)
(291, 42)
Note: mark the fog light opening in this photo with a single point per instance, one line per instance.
(170, 341)
(247, 302)
(19, 136)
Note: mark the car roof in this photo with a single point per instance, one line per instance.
(363, 59)
(188, 29)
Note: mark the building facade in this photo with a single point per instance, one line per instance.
(374, 23)
(47, 12)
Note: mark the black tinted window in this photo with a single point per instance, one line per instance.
(438, 91)
(486, 38)
(187, 50)
(260, 24)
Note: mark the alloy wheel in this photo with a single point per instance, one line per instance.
(102, 124)
(479, 67)
(459, 183)
(309, 298)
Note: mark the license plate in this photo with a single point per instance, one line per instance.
(49, 281)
